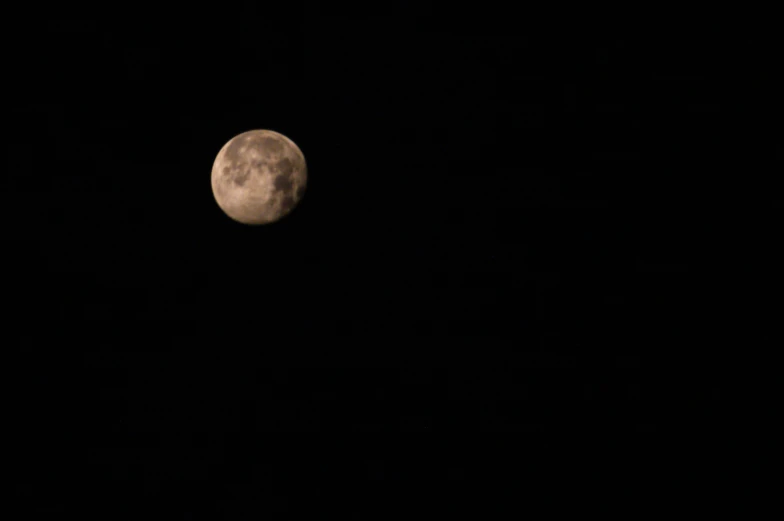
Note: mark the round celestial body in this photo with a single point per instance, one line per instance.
(259, 177)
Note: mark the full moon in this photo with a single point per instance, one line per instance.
(259, 177)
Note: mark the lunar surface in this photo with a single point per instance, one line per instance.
(259, 177)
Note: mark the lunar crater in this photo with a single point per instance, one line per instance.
(271, 145)
(283, 183)
(287, 203)
(240, 178)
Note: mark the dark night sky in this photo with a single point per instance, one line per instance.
(502, 232)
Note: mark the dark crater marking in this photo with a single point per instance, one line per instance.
(285, 166)
(283, 183)
(271, 145)
(287, 204)
(240, 179)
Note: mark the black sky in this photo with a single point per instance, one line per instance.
(502, 232)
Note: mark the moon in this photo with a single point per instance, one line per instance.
(259, 177)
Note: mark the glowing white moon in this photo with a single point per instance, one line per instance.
(259, 177)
